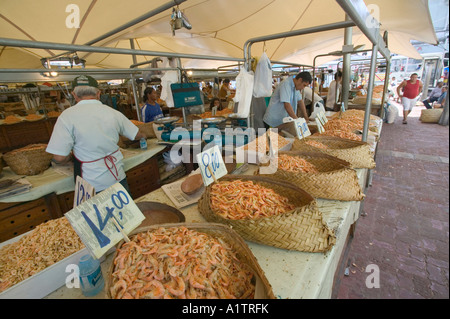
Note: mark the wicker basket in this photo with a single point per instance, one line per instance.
(243, 253)
(357, 153)
(29, 160)
(430, 115)
(302, 229)
(1, 163)
(335, 179)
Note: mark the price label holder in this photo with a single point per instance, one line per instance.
(83, 191)
(320, 126)
(302, 128)
(105, 219)
(322, 117)
(211, 165)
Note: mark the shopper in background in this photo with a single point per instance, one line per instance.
(441, 101)
(151, 110)
(286, 98)
(216, 102)
(62, 103)
(434, 95)
(225, 90)
(90, 130)
(307, 98)
(333, 92)
(411, 90)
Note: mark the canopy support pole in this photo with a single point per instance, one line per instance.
(373, 64)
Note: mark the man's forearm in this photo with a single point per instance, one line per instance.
(290, 110)
(303, 111)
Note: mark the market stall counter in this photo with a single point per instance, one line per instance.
(292, 274)
(51, 192)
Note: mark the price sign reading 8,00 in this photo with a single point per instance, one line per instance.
(93, 219)
(302, 128)
(211, 161)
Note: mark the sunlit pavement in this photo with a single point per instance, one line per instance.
(406, 230)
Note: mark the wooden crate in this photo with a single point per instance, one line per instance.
(19, 218)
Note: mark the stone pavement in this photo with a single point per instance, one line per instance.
(405, 233)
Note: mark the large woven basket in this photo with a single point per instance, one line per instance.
(1, 163)
(237, 244)
(357, 153)
(302, 229)
(29, 160)
(430, 115)
(335, 179)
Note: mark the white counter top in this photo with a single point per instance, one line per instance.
(53, 181)
(292, 274)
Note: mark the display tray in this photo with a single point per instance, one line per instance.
(45, 281)
(158, 213)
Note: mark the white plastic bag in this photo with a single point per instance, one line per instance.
(244, 92)
(391, 113)
(263, 77)
(166, 93)
(318, 107)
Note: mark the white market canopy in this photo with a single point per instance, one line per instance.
(219, 28)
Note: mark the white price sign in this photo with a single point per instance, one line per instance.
(83, 191)
(96, 220)
(322, 117)
(302, 128)
(211, 165)
(320, 126)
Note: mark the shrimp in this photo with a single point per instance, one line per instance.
(157, 292)
(181, 287)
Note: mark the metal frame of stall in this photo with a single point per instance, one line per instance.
(356, 15)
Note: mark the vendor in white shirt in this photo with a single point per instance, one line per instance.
(91, 131)
(307, 97)
(333, 93)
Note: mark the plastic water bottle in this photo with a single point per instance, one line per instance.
(91, 277)
(143, 143)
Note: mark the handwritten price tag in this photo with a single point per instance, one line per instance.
(83, 191)
(320, 126)
(211, 165)
(96, 220)
(322, 117)
(302, 128)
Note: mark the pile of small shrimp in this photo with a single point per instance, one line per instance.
(316, 144)
(239, 199)
(261, 145)
(342, 134)
(47, 244)
(349, 124)
(181, 263)
(295, 164)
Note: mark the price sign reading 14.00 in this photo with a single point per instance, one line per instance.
(95, 220)
(211, 165)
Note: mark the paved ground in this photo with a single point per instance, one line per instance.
(406, 230)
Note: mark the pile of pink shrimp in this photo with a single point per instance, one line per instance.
(246, 200)
(178, 262)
